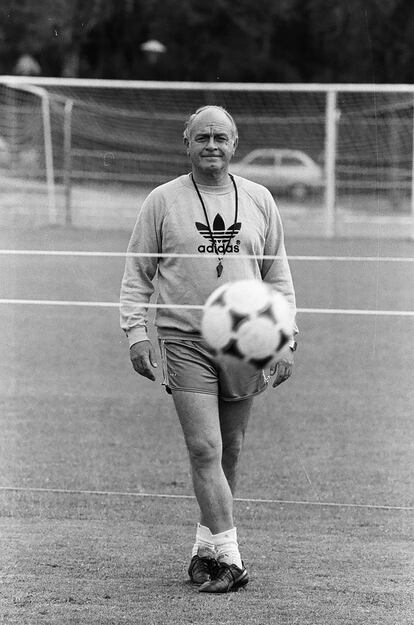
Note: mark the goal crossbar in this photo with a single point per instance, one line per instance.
(208, 86)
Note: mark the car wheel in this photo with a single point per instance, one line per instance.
(299, 191)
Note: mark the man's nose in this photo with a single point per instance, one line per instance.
(211, 145)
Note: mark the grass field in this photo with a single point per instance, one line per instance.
(96, 514)
(373, 214)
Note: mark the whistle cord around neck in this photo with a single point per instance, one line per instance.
(219, 267)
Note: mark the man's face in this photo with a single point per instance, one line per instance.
(211, 144)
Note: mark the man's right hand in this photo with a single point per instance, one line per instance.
(143, 358)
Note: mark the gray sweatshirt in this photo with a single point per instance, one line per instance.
(171, 220)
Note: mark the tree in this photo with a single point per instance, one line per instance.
(247, 40)
(55, 27)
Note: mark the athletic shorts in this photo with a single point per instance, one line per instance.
(188, 365)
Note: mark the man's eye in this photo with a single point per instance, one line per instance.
(206, 138)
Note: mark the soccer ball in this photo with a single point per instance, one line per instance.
(247, 320)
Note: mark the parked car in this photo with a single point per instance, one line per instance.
(291, 171)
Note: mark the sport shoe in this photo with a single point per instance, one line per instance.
(203, 566)
(229, 577)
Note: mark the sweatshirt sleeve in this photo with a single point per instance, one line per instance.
(137, 283)
(277, 272)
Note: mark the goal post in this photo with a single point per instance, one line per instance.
(28, 137)
(104, 139)
(67, 159)
(330, 161)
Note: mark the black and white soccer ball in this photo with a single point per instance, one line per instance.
(247, 320)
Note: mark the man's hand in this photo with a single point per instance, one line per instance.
(283, 368)
(143, 358)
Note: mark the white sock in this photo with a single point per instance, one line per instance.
(227, 548)
(204, 539)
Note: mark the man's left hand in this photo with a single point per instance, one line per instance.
(283, 368)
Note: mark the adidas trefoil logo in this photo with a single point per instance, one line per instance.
(221, 236)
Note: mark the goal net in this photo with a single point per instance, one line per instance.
(129, 134)
(26, 154)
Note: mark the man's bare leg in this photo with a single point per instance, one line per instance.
(203, 429)
(199, 418)
(234, 417)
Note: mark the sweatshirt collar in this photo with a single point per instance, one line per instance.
(210, 189)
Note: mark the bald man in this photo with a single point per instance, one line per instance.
(213, 399)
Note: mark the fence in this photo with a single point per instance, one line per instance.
(338, 158)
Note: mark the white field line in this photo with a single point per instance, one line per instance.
(389, 259)
(53, 302)
(63, 491)
(350, 311)
(316, 311)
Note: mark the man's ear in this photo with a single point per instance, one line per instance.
(236, 143)
(187, 144)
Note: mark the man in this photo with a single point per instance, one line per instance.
(216, 216)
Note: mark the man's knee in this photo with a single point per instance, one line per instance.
(204, 451)
(232, 451)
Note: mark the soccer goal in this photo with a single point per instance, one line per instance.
(26, 146)
(331, 154)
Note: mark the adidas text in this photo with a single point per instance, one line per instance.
(221, 249)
